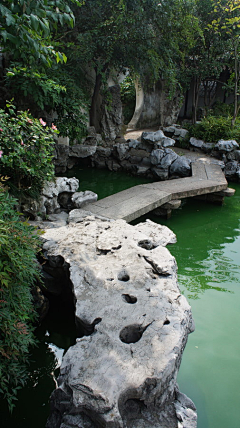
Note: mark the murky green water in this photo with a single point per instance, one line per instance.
(208, 258)
(207, 254)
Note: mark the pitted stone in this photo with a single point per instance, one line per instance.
(131, 360)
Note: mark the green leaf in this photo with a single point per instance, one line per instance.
(34, 22)
(10, 20)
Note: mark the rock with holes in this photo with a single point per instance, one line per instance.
(50, 201)
(226, 146)
(133, 322)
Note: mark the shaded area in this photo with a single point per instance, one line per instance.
(55, 335)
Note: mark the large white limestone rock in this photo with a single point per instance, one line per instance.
(125, 282)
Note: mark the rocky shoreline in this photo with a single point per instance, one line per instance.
(149, 154)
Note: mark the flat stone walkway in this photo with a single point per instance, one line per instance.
(139, 200)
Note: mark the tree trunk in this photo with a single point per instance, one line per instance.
(94, 119)
(196, 84)
(186, 105)
(235, 85)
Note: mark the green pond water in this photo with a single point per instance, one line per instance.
(207, 254)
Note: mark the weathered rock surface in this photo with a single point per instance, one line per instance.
(157, 138)
(83, 150)
(226, 146)
(111, 120)
(150, 157)
(181, 167)
(79, 199)
(57, 195)
(67, 156)
(123, 374)
(195, 143)
(175, 131)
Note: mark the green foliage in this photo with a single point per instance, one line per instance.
(18, 271)
(72, 106)
(221, 109)
(26, 151)
(128, 97)
(212, 128)
(26, 28)
(226, 23)
(55, 90)
(25, 82)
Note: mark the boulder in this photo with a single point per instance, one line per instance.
(61, 157)
(79, 199)
(122, 372)
(165, 142)
(133, 143)
(152, 137)
(180, 133)
(54, 194)
(157, 138)
(156, 156)
(238, 173)
(195, 143)
(142, 170)
(175, 131)
(83, 150)
(234, 155)
(207, 147)
(64, 184)
(169, 157)
(121, 151)
(160, 173)
(181, 167)
(230, 170)
(226, 146)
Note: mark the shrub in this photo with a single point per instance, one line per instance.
(18, 271)
(212, 128)
(26, 151)
(56, 90)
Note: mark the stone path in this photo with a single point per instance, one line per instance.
(139, 200)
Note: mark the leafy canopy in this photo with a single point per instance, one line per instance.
(26, 28)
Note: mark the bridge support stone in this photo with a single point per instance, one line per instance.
(217, 198)
(166, 209)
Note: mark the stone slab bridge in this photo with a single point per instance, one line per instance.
(207, 182)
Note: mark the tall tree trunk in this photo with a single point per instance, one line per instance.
(95, 114)
(94, 119)
(196, 84)
(236, 70)
(186, 104)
